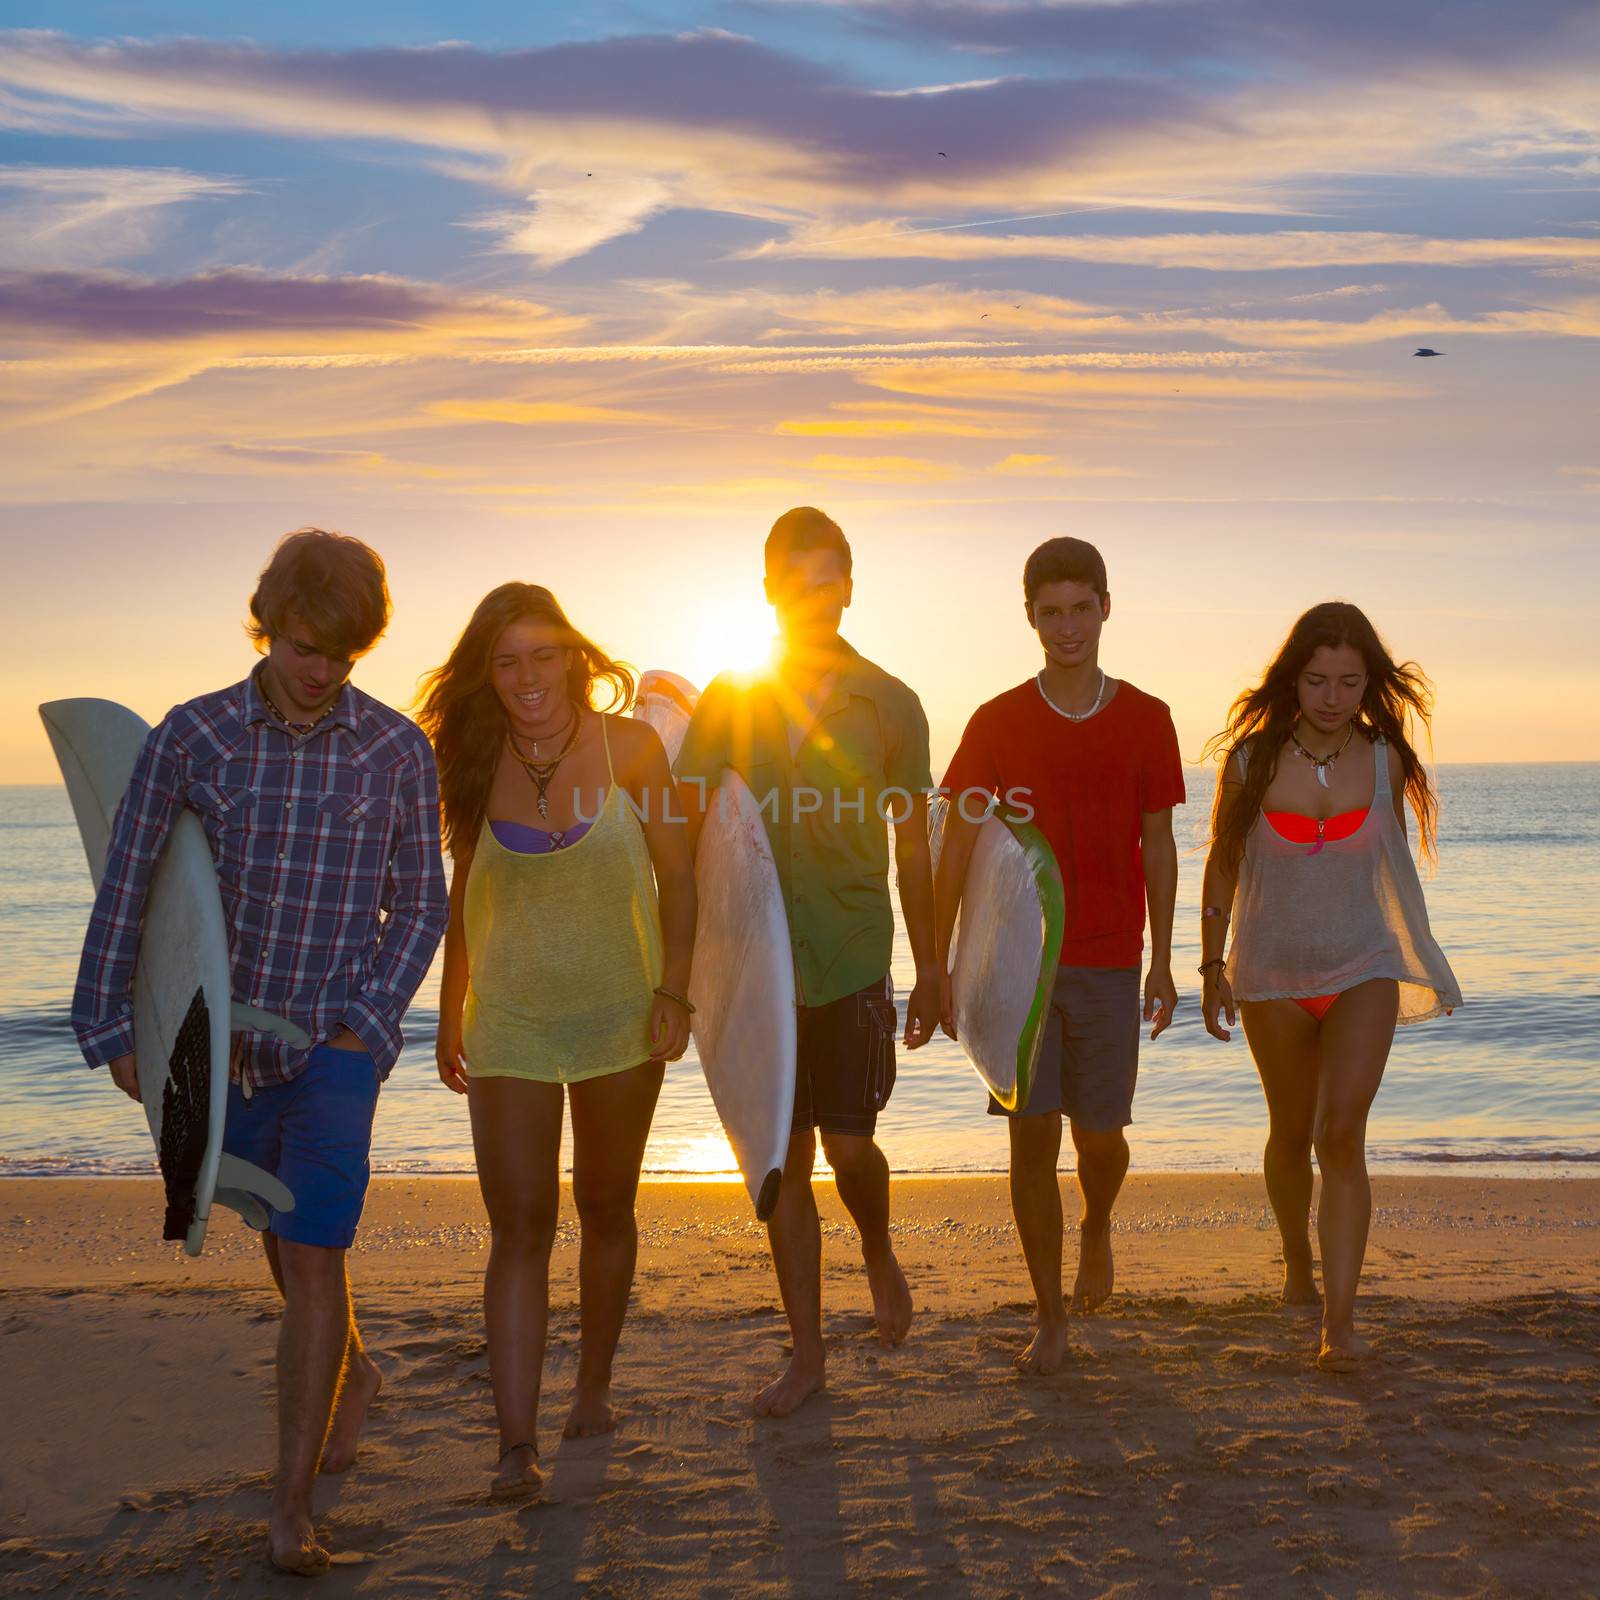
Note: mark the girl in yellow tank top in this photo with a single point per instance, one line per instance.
(566, 976)
(560, 1010)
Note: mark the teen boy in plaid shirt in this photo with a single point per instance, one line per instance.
(321, 808)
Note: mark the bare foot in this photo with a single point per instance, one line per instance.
(1096, 1272)
(799, 1382)
(517, 1476)
(361, 1385)
(1340, 1351)
(293, 1547)
(891, 1300)
(1045, 1353)
(590, 1414)
(1300, 1289)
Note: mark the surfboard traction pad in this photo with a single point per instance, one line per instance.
(186, 1116)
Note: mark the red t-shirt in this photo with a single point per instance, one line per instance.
(1088, 783)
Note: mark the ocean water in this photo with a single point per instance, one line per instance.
(1511, 1082)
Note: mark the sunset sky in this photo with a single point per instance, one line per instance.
(587, 296)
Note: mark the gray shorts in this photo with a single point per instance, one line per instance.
(1089, 1060)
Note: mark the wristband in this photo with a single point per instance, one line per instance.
(673, 995)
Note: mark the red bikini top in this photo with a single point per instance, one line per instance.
(1300, 829)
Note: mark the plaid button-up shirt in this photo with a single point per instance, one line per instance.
(327, 851)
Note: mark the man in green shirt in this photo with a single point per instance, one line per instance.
(832, 748)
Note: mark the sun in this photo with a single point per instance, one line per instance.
(735, 634)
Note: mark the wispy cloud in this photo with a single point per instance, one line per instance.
(1422, 41)
(572, 220)
(932, 426)
(884, 469)
(1043, 466)
(532, 413)
(240, 305)
(927, 308)
(93, 216)
(590, 139)
(296, 458)
(583, 354)
(1280, 250)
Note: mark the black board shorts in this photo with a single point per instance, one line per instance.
(844, 1066)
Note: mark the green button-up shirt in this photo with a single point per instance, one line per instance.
(862, 761)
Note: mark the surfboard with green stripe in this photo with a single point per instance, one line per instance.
(1006, 949)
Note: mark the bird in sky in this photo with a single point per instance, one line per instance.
(941, 153)
(1425, 351)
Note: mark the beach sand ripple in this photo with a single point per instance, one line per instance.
(1187, 1445)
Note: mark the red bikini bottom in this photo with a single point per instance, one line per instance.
(1317, 1004)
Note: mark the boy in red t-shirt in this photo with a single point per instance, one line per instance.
(1098, 761)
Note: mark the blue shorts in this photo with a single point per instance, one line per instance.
(314, 1134)
(1089, 1059)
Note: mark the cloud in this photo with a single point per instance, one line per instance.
(570, 222)
(300, 458)
(927, 308)
(602, 134)
(1129, 359)
(241, 306)
(1345, 291)
(525, 413)
(1280, 250)
(895, 427)
(92, 216)
(1109, 386)
(1418, 41)
(884, 469)
(1023, 466)
(593, 138)
(577, 355)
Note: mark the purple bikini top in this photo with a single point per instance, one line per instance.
(528, 841)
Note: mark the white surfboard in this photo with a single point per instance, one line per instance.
(183, 1013)
(1005, 952)
(742, 980)
(666, 702)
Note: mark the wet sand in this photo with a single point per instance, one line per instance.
(1188, 1446)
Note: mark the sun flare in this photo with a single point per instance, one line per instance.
(736, 634)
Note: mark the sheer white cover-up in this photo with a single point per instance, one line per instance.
(1316, 923)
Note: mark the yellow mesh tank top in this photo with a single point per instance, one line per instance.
(563, 951)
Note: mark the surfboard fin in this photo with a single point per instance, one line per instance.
(255, 1211)
(254, 1183)
(243, 1016)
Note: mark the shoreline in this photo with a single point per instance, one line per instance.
(1203, 1232)
(1531, 1169)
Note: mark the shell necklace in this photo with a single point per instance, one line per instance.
(1073, 716)
(298, 729)
(1322, 763)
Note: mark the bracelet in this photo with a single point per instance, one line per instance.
(672, 994)
(1215, 961)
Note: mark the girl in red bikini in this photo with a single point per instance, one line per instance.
(1331, 948)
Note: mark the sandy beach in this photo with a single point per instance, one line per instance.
(1188, 1446)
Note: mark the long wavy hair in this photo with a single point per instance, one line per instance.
(1397, 697)
(461, 714)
